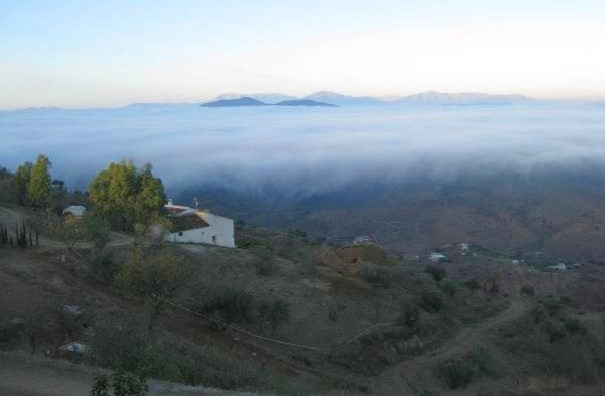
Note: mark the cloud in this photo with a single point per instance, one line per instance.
(306, 151)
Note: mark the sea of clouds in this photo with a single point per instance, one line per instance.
(305, 150)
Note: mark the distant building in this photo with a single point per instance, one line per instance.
(76, 211)
(191, 225)
(558, 267)
(436, 257)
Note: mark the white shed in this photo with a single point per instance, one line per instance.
(77, 211)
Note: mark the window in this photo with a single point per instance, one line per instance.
(180, 233)
(213, 238)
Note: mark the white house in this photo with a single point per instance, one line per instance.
(76, 211)
(198, 226)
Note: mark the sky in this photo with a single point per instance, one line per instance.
(114, 52)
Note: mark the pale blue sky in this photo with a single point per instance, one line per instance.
(109, 53)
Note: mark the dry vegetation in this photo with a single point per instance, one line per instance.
(287, 315)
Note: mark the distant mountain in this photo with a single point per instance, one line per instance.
(269, 98)
(305, 102)
(344, 100)
(334, 98)
(464, 98)
(239, 102)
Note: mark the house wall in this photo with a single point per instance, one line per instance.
(220, 232)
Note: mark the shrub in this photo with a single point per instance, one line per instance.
(552, 305)
(457, 373)
(276, 312)
(528, 290)
(409, 315)
(265, 266)
(431, 300)
(376, 274)
(449, 287)
(574, 326)
(539, 313)
(473, 285)
(554, 330)
(436, 272)
(128, 384)
(232, 302)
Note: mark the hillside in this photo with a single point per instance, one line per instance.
(358, 322)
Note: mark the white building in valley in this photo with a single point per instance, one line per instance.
(191, 225)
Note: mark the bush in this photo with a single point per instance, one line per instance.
(276, 313)
(552, 305)
(409, 315)
(574, 326)
(473, 285)
(436, 272)
(528, 290)
(460, 372)
(376, 274)
(265, 263)
(449, 287)
(457, 373)
(554, 330)
(232, 302)
(431, 300)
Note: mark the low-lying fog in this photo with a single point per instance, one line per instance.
(303, 150)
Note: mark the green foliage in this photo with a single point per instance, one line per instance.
(410, 314)
(473, 285)
(437, 272)
(527, 290)
(554, 329)
(276, 312)
(431, 300)
(449, 287)
(552, 305)
(230, 301)
(574, 326)
(39, 186)
(128, 384)
(101, 386)
(126, 195)
(457, 373)
(21, 182)
(376, 274)
(154, 275)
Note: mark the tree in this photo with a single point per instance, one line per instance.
(156, 275)
(150, 196)
(126, 195)
(39, 187)
(21, 181)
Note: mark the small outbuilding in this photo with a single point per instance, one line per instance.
(75, 211)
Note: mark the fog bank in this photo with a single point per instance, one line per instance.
(306, 150)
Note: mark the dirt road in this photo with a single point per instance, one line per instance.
(11, 216)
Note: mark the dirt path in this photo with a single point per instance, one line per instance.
(405, 374)
(10, 216)
(24, 375)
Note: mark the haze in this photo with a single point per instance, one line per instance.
(111, 53)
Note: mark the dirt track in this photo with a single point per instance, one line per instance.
(11, 216)
(464, 341)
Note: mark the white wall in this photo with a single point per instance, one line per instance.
(220, 232)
